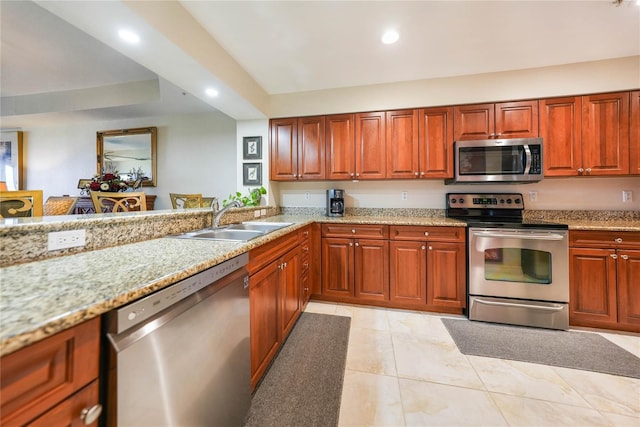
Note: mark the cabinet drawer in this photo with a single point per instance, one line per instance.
(604, 239)
(38, 377)
(356, 230)
(265, 254)
(68, 413)
(422, 233)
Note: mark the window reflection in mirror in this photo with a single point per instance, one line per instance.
(131, 152)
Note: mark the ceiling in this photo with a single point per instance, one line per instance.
(251, 51)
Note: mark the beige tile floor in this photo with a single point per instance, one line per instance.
(403, 369)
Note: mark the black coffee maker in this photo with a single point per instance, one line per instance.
(335, 202)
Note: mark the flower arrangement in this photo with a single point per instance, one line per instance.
(109, 181)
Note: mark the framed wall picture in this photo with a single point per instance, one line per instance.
(252, 147)
(11, 158)
(251, 174)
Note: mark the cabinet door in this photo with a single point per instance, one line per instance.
(634, 134)
(560, 129)
(592, 279)
(629, 288)
(605, 134)
(516, 119)
(311, 144)
(402, 144)
(337, 267)
(371, 270)
(473, 122)
(340, 146)
(265, 333)
(289, 291)
(446, 274)
(408, 273)
(371, 158)
(68, 412)
(435, 134)
(283, 162)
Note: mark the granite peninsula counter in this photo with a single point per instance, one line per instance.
(43, 297)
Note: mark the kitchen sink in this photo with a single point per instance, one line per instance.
(242, 232)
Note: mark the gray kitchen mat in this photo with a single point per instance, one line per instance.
(577, 350)
(303, 386)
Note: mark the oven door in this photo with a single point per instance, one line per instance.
(528, 264)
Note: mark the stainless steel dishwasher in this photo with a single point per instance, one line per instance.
(180, 356)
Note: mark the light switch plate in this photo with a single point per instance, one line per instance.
(627, 196)
(66, 239)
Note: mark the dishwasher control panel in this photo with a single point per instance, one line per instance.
(144, 308)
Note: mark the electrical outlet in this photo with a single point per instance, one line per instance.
(306, 196)
(256, 214)
(627, 196)
(263, 212)
(404, 195)
(533, 196)
(66, 239)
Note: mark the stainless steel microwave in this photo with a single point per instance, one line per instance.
(517, 160)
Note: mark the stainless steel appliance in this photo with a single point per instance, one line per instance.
(497, 160)
(181, 356)
(518, 270)
(335, 202)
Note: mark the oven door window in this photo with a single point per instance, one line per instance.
(517, 265)
(492, 160)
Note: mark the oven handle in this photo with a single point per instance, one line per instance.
(527, 153)
(507, 304)
(507, 235)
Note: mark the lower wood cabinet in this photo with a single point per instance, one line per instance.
(275, 299)
(412, 267)
(605, 279)
(52, 381)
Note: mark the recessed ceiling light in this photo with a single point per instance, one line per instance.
(129, 36)
(390, 37)
(211, 92)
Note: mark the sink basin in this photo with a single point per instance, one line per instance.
(223, 234)
(267, 227)
(242, 232)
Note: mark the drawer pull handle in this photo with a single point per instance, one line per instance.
(91, 415)
(624, 256)
(619, 240)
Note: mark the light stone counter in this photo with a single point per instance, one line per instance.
(40, 298)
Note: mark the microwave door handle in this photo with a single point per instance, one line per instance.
(506, 235)
(528, 157)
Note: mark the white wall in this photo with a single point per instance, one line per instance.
(553, 194)
(196, 153)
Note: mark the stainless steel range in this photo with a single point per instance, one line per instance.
(518, 270)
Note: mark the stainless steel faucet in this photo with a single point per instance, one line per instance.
(216, 219)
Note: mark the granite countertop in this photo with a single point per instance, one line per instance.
(40, 298)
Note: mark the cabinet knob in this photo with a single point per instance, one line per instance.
(353, 231)
(306, 289)
(421, 173)
(588, 170)
(357, 174)
(306, 249)
(91, 415)
(284, 265)
(351, 174)
(426, 233)
(350, 244)
(305, 233)
(423, 247)
(624, 256)
(619, 240)
(306, 265)
(357, 244)
(430, 248)
(614, 256)
(416, 173)
(580, 170)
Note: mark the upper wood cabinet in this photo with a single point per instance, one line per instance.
(561, 132)
(634, 134)
(435, 133)
(402, 144)
(605, 134)
(370, 155)
(340, 146)
(297, 149)
(501, 120)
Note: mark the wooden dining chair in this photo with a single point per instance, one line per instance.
(59, 205)
(185, 201)
(104, 201)
(210, 202)
(21, 203)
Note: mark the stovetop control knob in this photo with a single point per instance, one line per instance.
(461, 200)
(508, 201)
(453, 201)
(502, 201)
(517, 201)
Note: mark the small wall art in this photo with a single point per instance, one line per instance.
(11, 158)
(252, 147)
(251, 174)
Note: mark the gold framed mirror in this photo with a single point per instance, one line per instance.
(130, 152)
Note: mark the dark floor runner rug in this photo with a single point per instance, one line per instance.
(577, 350)
(303, 386)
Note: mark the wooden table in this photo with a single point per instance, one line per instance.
(84, 205)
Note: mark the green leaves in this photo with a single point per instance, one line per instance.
(251, 199)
